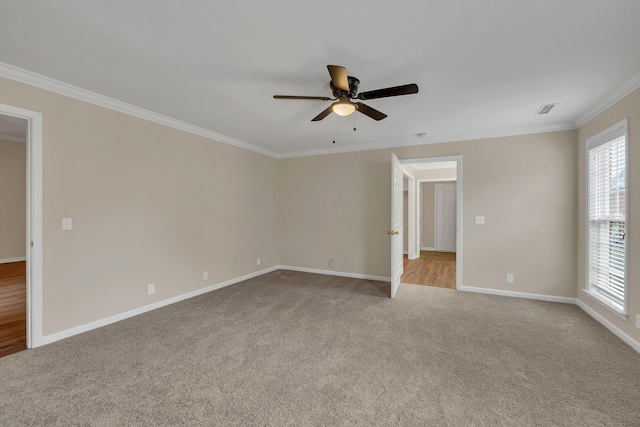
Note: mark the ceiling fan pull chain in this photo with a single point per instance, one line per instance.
(334, 128)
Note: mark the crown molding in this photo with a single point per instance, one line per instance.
(624, 90)
(12, 138)
(52, 85)
(434, 139)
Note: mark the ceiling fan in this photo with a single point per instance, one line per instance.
(345, 88)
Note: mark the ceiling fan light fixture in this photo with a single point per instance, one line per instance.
(344, 108)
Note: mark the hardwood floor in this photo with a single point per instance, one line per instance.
(436, 269)
(13, 308)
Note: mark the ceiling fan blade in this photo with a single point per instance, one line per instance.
(390, 91)
(339, 77)
(371, 112)
(315, 98)
(324, 114)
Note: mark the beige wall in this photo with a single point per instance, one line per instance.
(443, 174)
(338, 206)
(13, 199)
(150, 204)
(428, 214)
(629, 108)
(405, 220)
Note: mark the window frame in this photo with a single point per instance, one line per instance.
(619, 129)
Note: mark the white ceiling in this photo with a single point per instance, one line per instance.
(483, 68)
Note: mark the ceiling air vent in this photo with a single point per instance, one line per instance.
(545, 109)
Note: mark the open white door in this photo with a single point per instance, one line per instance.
(396, 224)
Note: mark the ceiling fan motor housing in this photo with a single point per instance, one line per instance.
(354, 83)
(345, 88)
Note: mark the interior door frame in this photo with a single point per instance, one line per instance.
(397, 176)
(34, 220)
(459, 187)
(412, 253)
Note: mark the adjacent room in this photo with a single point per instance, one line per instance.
(13, 234)
(353, 213)
(435, 228)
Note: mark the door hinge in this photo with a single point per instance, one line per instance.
(32, 243)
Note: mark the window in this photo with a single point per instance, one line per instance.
(606, 217)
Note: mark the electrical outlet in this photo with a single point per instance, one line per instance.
(509, 278)
(151, 289)
(638, 321)
(479, 219)
(205, 275)
(67, 224)
(332, 263)
(259, 261)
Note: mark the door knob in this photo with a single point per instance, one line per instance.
(393, 233)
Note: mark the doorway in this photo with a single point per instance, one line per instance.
(13, 231)
(438, 223)
(20, 229)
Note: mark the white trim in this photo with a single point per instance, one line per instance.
(610, 326)
(632, 84)
(608, 134)
(433, 166)
(405, 252)
(424, 248)
(411, 216)
(335, 273)
(122, 316)
(8, 260)
(46, 83)
(12, 138)
(438, 139)
(48, 339)
(431, 160)
(437, 180)
(624, 90)
(607, 303)
(499, 292)
(33, 220)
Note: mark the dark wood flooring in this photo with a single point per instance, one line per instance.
(13, 308)
(436, 269)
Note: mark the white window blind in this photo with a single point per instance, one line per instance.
(607, 219)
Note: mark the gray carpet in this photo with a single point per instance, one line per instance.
(298, 349)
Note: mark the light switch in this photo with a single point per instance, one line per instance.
(66, 223)
(479, 220)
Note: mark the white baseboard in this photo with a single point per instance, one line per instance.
(424, 248)
(335, 273)
(610, 326)
(48, 339)
(552, 298)
(8, 260)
